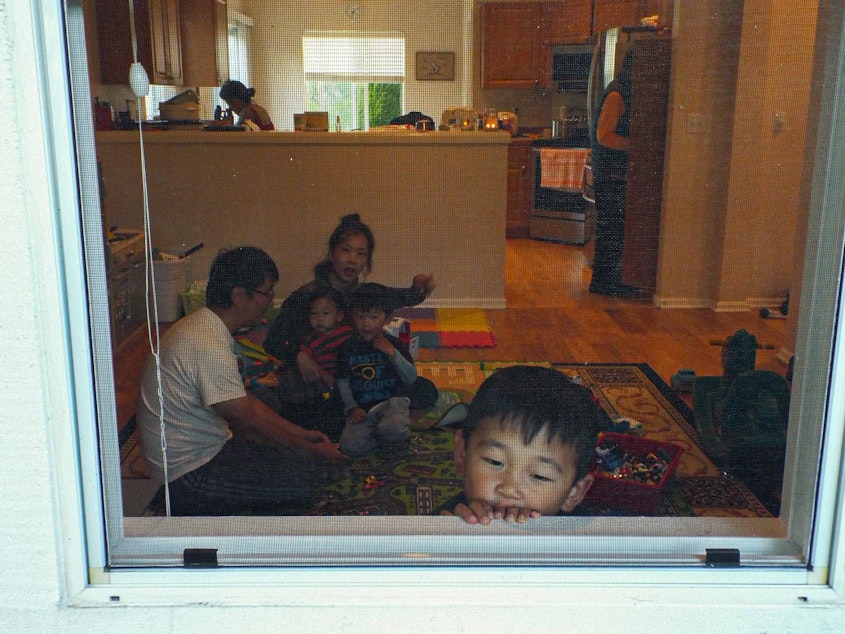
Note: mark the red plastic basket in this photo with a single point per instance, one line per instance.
(627, 493)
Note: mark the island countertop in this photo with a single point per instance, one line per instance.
(435, 200)
(195, 134)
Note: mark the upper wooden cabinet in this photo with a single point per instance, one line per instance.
(205, 42)
(608, 14)
(516, 37)
(510, 45)
(566, 22)
(158, 39)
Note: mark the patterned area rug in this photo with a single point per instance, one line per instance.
(449, 327)
(422, 479)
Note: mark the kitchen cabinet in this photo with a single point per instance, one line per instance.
(520, 183)
(158, 40)
(205, 42)
(608, 14)
(510, 49)
(566, 22)
(517, 38)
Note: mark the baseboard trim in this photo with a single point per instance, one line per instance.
(682, 302)
(751, 303)
(470, 302)
(732, 307)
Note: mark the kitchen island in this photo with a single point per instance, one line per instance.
(435, 200)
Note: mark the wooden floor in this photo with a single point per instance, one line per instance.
(552, 317)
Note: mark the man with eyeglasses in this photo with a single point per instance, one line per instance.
(227, 453)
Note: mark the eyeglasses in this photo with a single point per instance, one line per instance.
(269, 294)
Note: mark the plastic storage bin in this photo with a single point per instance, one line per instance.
(169, 284)
(627, 493)
(193, 297)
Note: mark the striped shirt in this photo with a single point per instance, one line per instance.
(323, 347)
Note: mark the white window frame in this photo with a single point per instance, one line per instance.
(240, 33)
(357, 51)
(83, 512)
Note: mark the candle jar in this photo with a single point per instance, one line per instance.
(491, 119)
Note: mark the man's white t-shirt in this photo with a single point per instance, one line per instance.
(199, 368)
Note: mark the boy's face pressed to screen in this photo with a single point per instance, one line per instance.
(499, 468)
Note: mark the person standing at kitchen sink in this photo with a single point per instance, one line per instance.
(239, 98)
(349, 256)
(609, 158)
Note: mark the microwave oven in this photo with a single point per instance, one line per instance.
(571, 67)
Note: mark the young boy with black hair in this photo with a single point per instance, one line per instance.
(525, 446)
(377, 379)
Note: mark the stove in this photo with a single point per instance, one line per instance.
(579, 137)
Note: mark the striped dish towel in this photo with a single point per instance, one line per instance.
(563, 168)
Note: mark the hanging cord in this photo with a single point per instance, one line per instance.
(140, 84)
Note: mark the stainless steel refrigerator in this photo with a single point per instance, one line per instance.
(647, 144)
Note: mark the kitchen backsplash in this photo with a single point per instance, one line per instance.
(536, 108)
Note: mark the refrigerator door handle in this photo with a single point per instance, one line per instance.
(588, 190)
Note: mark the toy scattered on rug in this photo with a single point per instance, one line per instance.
(625, 425)
(612, 461)
(371, 482)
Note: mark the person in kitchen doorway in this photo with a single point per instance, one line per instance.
(610, 163)
(350, 255)
(227, 453)
(377, 379)
(239, 98)
(525, 447)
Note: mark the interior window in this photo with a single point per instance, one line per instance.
(240, 27)
(358, 80)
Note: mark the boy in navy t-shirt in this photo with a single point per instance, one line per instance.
(377, 378)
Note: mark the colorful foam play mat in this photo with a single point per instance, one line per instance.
(449, 327)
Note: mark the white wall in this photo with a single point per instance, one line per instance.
(40, 533)
(428, 25)
(731, 204)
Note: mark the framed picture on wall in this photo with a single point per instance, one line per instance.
(432, 65)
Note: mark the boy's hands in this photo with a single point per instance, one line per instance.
(382, 344)
(356, 415)
(481, 512)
